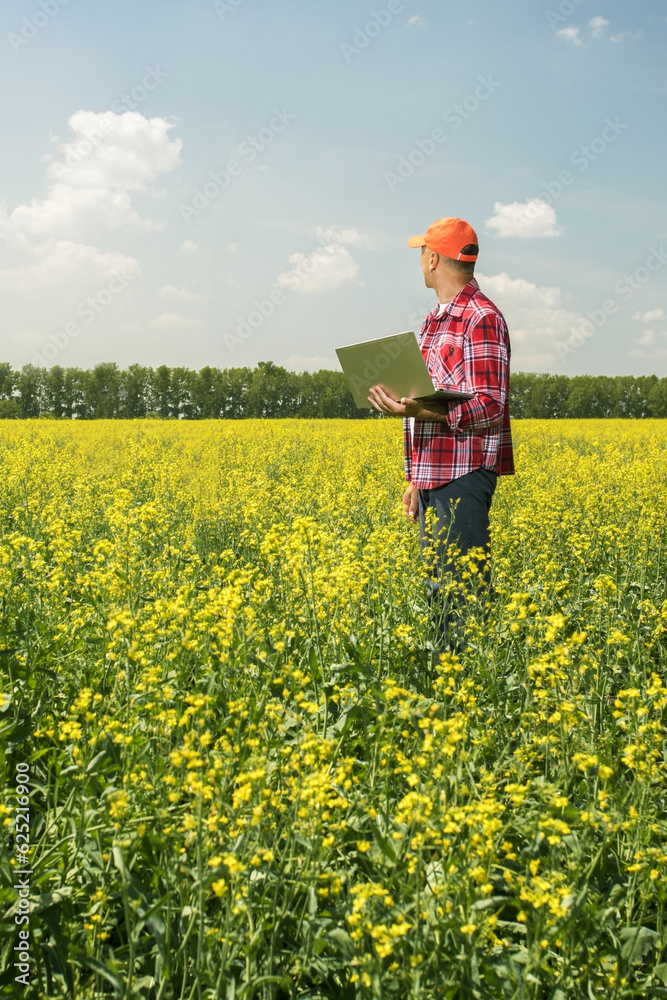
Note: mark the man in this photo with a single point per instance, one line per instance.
(454, 452)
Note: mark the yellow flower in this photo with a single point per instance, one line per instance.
(584, 761)
(235, 866)
(118, 803)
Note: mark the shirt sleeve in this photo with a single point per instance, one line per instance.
(486, 363)
(407, 448)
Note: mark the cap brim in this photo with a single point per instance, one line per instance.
(417, 241)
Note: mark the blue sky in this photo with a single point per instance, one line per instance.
(192, 183)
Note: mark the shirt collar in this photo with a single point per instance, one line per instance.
(458, 304)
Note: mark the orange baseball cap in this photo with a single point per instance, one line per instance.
(448, 237)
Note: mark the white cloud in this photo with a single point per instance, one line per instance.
(536, 315)
(324, 270)
(651, 345)
(415, 21)
(115, 150)
(173, 292)
(570, 34)
(299, 363)
(174, 321)
(344, 237)
(649, 316)
(227, 278)
(47, 287)
(109, 156)
(63, 266)
(189, 247)
(51, 269)
(47, 243)
(597, 26)
(530, 219)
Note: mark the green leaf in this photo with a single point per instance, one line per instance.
(49, 899)
(638, 941)
(100, 970)
(119, 862)
(19, 733)
(146, 982)
(97, 759)
(250, 990)
(512, 925)
(483, 904)
(385, 846)
(343, 942)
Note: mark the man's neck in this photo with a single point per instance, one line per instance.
(447, 287)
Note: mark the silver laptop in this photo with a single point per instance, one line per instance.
(395, 363)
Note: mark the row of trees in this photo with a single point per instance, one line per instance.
(232, 393)
(271, 391)
(583, 396)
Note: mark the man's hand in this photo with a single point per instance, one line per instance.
(406, 407)
(379, 400)
(411, 504)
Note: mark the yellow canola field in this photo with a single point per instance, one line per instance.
(247, 781)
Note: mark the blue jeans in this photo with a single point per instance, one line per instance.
(461, 518)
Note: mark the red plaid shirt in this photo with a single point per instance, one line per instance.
(467, 348)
